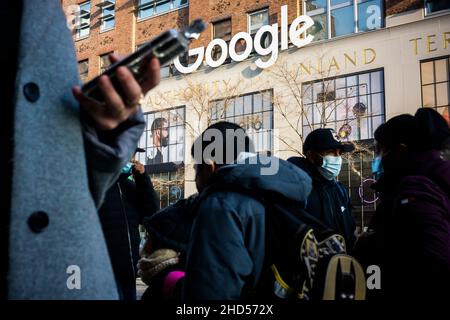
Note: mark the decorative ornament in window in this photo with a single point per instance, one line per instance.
(344, 132)
(359, 109)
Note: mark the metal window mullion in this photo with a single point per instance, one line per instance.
(356, 17)
(329, 19)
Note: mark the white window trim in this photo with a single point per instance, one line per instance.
(249, 14)
(158, 14)
(433, 14)
(83, 14)
(355, 15)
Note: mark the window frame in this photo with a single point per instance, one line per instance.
(216, 49)
(249, 18)
(111, 17)
(87, 69)
(80, 16)
(434, 83)
(334, 123)
(355, 4)
(152, 3)
(430, 14)
(262, 112)
(105, 55)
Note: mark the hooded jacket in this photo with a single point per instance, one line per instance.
(329, 202)
(410, 238)
(227, 244)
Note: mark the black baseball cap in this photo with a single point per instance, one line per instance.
(324, 139)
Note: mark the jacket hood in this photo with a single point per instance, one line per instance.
(277, 178)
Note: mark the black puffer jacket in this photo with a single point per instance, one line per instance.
(329, 202)
(126, 205)
(226, 249)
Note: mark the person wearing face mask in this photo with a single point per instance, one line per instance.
(329, 200)
(409, 235)
(131, 199)
(160, 136)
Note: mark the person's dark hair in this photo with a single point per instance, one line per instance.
(426, 130)
(158, 123)
(231, 133)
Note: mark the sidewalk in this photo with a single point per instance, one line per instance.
(140, 288)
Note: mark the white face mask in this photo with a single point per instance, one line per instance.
(331, 166)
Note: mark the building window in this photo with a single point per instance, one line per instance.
(104, 62)
(169, 186)
(253, 112)
(353, 105)
(148, 8)
(163, 138)
(83, 70)
(108, 14)
(356, 175)
(435, 85)
(83, 19)
(256, 20)
(221, 30)
(334, 18)
(432, 6)
(164, 143)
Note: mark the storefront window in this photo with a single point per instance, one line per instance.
(435, 85)
(169, 186)
(356, 175)
(353, 105)
(253, 112)
(334, 18)
(432, 6)
(164, 143)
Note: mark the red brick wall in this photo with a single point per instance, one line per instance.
(128, 32)
(399, 6)
(211, 11)
(119, 39)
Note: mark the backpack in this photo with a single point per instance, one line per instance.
(307, 260)
(304, 260)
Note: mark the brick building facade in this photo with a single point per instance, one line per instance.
(369, 60)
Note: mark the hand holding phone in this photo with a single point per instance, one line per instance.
(113, 97)
(164, 47)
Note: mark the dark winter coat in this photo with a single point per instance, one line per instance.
(126, 205)
(227, 245)
(410, 238)
(329, 202)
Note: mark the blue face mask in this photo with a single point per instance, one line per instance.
(127, 168)
(331, 166)
(377, 168)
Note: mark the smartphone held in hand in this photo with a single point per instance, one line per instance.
(165, 47)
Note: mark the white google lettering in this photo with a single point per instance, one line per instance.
(299, 26)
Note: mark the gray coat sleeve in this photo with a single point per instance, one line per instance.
(108, 152)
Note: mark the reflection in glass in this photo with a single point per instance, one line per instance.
(342, 21)
(442, 94)
(441, 70)
(427, 72)
(369, 15)
(428, 96)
